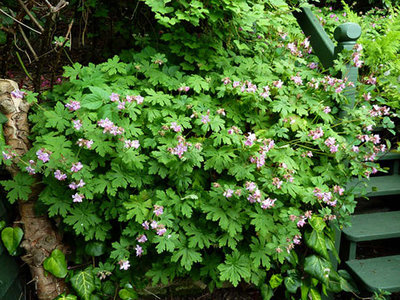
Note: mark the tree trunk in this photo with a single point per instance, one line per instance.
(40, 237)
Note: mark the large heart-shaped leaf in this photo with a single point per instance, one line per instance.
(11, 237)
(83, 283)
(56, 264)
(316, 241)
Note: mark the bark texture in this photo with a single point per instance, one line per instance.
(40, 237)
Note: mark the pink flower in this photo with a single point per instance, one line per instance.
(296, 239)
(236, 84)
(77, 124)
(205, 119)
(7, 156)
(301, 222)
(226, 80)
(179, 150)
(142, 238)
(337, 189)
(73, 105)
(250, 186)
(330, 141)
(43, 156)
(154, 225)
(265, 92)
(139, 250)
(18, 94)
(277, 182)
(251, 137)
(221, 112)
(313, 65)
(184, 89)
(30, 170)
(355, 149)
(316, 134)
(76, 167)
(145, 225)
(297, 80)
(132, 144)
(228, 193)
(327, 109)
(278, 84)
(367, 96)
(176, 127)
(124, 265)
(121, 105)
(60, 176)
(371, 80)
(161, 231)
(158, 210)
(139, 99)
(268, 203)
(114, 97)
(77, 197)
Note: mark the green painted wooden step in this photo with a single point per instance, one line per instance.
(377, 186)
(378, 273)
(373, 226)
(392, 155)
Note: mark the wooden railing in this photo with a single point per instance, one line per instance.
(346, 36)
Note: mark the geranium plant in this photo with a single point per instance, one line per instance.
(223, 169)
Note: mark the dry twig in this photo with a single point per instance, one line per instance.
(30, 15)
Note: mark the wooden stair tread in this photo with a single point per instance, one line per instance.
(377, 186)
(373, 226)
(378, 273)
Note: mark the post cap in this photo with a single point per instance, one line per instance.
(347, 32)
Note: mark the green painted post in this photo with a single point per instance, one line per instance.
(346, 35)
(320, 41)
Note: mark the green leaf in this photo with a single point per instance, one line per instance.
(275, 280)
(315, 295)
(57, 118)
(64, 296)
(236, 266)
(266, 292)
(317, 223)
(12, 237)
(128, 294)
(2, 224)
(19, 188)
(317, 267)
(95, 248)
(83, 283)
(292, 282)
(3, 118)
(96, 99)
(56, 264)
(316, 241)
(187, 256)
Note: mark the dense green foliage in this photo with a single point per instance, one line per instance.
(213, 152)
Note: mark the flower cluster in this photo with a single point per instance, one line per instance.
(110, 127)
(73, 105)
(87, 143)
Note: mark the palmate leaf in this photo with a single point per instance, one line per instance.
(219, 159)
(83, 283)
(19, 188)
(235, 268)
(57, 118)
(187, 257)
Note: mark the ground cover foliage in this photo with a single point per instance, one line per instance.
(218, 149)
